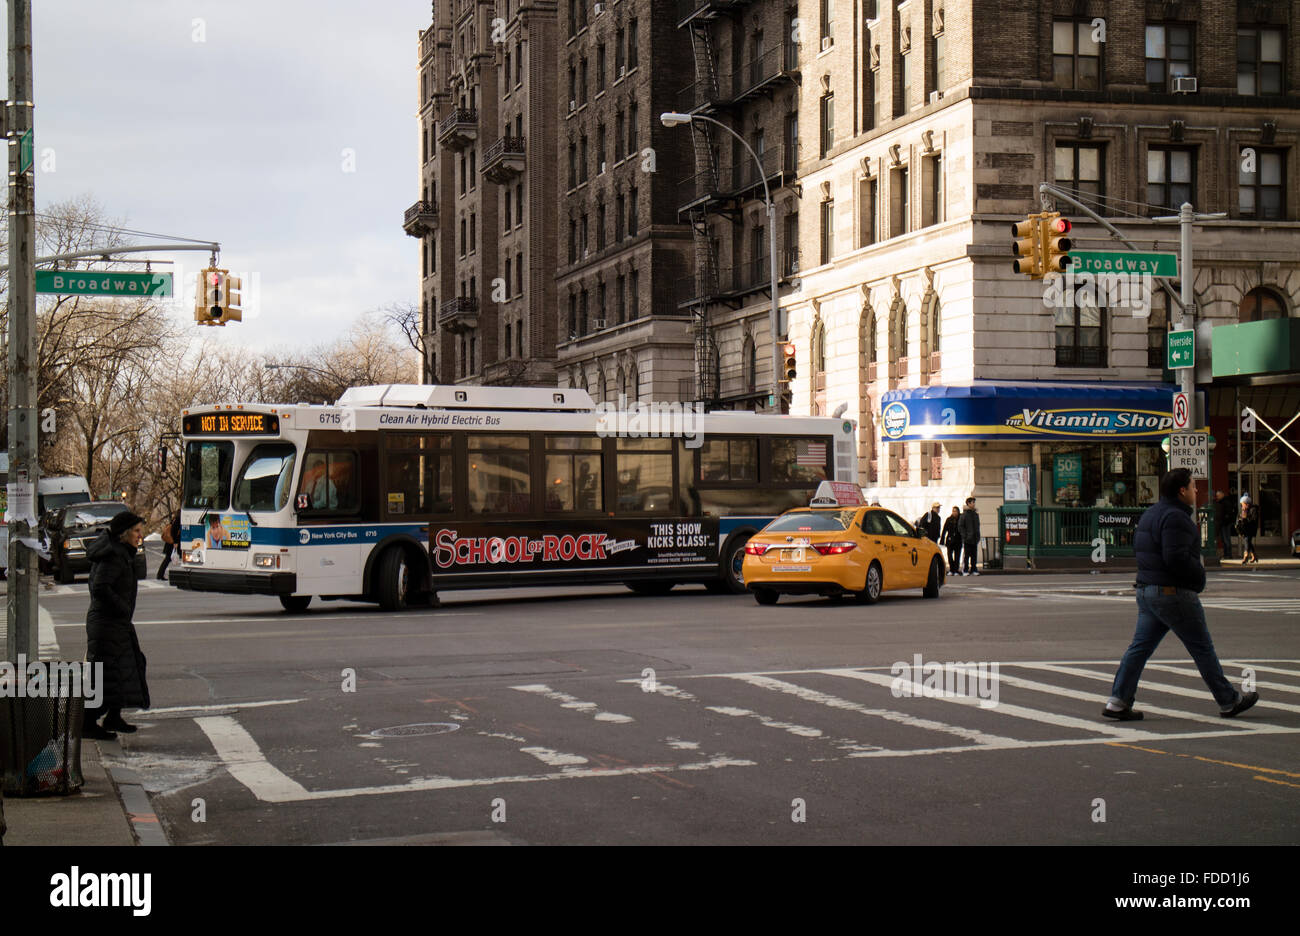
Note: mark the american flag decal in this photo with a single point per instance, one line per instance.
(812, 454)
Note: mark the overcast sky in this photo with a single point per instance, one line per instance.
(229, 121)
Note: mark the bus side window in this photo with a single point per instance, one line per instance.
(329, 482)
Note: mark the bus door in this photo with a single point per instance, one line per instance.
(331, 540)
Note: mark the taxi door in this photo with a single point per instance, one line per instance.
(886, 544)
(914, 563)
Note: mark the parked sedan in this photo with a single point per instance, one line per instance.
(859, 551)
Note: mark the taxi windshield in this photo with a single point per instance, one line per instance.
(806, 521)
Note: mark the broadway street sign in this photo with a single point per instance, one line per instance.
(1123, 261)
(80, 283)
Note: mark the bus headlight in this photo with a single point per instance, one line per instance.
(192, 557)
(266, 560)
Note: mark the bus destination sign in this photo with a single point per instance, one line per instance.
(231, 424)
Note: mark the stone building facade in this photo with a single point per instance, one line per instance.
(956, 112)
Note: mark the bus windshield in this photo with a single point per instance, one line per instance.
(265, 481)
(207, 475)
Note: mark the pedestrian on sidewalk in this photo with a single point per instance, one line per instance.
(969, 525)
(1248, 529)
(951, 539)
(171, 538)
(110, 636)
(930, 523)
(1224, 521)
(1170, 576)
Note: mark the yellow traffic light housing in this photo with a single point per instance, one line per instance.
(1055, 242)
(789, 365)
(217, 297)
(1026, 246)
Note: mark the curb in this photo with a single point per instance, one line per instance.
(133, 798)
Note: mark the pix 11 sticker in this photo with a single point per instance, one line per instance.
(894, 420)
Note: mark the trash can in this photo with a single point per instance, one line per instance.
(992, 552)
(40, 744)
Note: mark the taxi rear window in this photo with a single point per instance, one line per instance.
(812, 521)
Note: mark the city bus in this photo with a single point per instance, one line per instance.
(397, 492)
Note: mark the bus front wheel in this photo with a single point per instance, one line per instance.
(295, 604)
(394, 580)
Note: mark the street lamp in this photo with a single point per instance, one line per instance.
(675, 119)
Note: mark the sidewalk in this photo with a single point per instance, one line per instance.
(95, 816)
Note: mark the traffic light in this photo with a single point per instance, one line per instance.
(162, 459)
(1056, 245)
(210, 296)
(1026, 246)
(789, 366)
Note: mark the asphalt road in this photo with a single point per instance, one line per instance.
(597, 716)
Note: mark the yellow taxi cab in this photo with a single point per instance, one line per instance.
(840, 546)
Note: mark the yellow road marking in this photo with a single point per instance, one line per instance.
(1223, 763)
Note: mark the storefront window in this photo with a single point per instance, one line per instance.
(1124, 474)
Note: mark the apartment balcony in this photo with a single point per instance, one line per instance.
(459, 314)
(748, 277)
(458, 129)
(428, 43)
(779, 167)
(504, 160)
(707, 190)
(775, 68)
(421, 219)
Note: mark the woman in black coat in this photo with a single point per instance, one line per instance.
(1248, 529)
(951, 538)
(110, 636)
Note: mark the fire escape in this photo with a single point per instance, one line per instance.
(720, 190)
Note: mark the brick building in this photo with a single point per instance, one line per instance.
(622, 253)
(486, 216)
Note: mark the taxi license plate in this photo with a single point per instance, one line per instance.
(792, 568)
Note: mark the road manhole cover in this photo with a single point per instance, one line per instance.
(414, 731)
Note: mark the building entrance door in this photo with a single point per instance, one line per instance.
(1266, 487)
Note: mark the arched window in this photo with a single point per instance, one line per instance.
(1260, 304)
(869, 335)
(622, 383)
(603, 388)
(898, 330)
(750, 357)
(819, 348)
(584, 384)
(934, 320)
(634, 382)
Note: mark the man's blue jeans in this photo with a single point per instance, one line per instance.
(1159, 613)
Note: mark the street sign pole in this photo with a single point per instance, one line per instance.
(1187, 376)
(21, 601)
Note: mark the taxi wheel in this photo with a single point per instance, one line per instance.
(295, 604)
(875, 584)
(765, 596)
(932, 583)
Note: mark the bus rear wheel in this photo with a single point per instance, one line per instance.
(394, 579)
(295, 604)
(650, 588)
(731, 569)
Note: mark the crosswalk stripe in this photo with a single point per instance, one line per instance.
(570, 702)
(1263, 669)
(1064, 742)
(823, 698)
(1161, 687)
(1194, 674)
(1004, 708)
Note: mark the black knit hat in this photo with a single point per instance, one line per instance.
(122, 522)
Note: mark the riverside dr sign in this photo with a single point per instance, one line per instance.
(83, 283)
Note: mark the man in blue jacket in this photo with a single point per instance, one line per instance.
(1170, 576)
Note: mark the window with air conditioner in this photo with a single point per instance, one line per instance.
(1170, 53)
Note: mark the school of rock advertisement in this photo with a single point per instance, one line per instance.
(603, 544)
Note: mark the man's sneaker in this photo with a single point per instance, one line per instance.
(1245, 702)
(975, 573)
(1126, 714)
